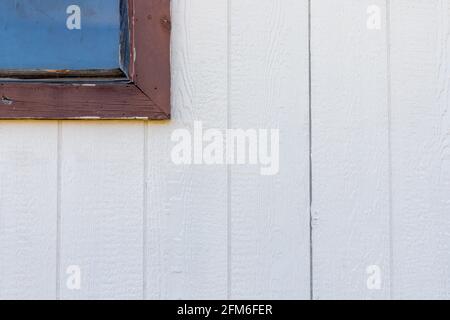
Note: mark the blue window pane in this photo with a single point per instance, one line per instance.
(59, 34)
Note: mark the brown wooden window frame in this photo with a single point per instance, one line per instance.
(145, 95)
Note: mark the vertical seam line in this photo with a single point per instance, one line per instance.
(311, 251)
(389, 105)
(229, 219)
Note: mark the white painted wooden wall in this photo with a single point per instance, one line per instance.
(105, 196)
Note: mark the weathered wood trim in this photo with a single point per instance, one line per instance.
(146, 97)
(76, 101)
(152, 25)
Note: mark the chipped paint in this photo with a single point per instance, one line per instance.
(7, 101)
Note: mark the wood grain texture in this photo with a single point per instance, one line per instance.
(28, 153)
(421, 148)
(101, 210)
(186, 253)
(150, 52)
(75, 101)
(269, 256)
(350, 146)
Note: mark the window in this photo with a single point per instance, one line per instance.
(85, 59)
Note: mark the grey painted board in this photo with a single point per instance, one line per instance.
(350, 150)
(421, 148)
(186, 227)
(101, 210)
(28, 210)
(269, 237)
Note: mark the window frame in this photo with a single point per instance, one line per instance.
(146, 94)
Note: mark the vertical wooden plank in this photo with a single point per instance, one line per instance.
(421, 148)
(350, 144)
(28, 166)
(269, 90)
(102, 209)
(186, 253)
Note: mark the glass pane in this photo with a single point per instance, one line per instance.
(59, 34)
